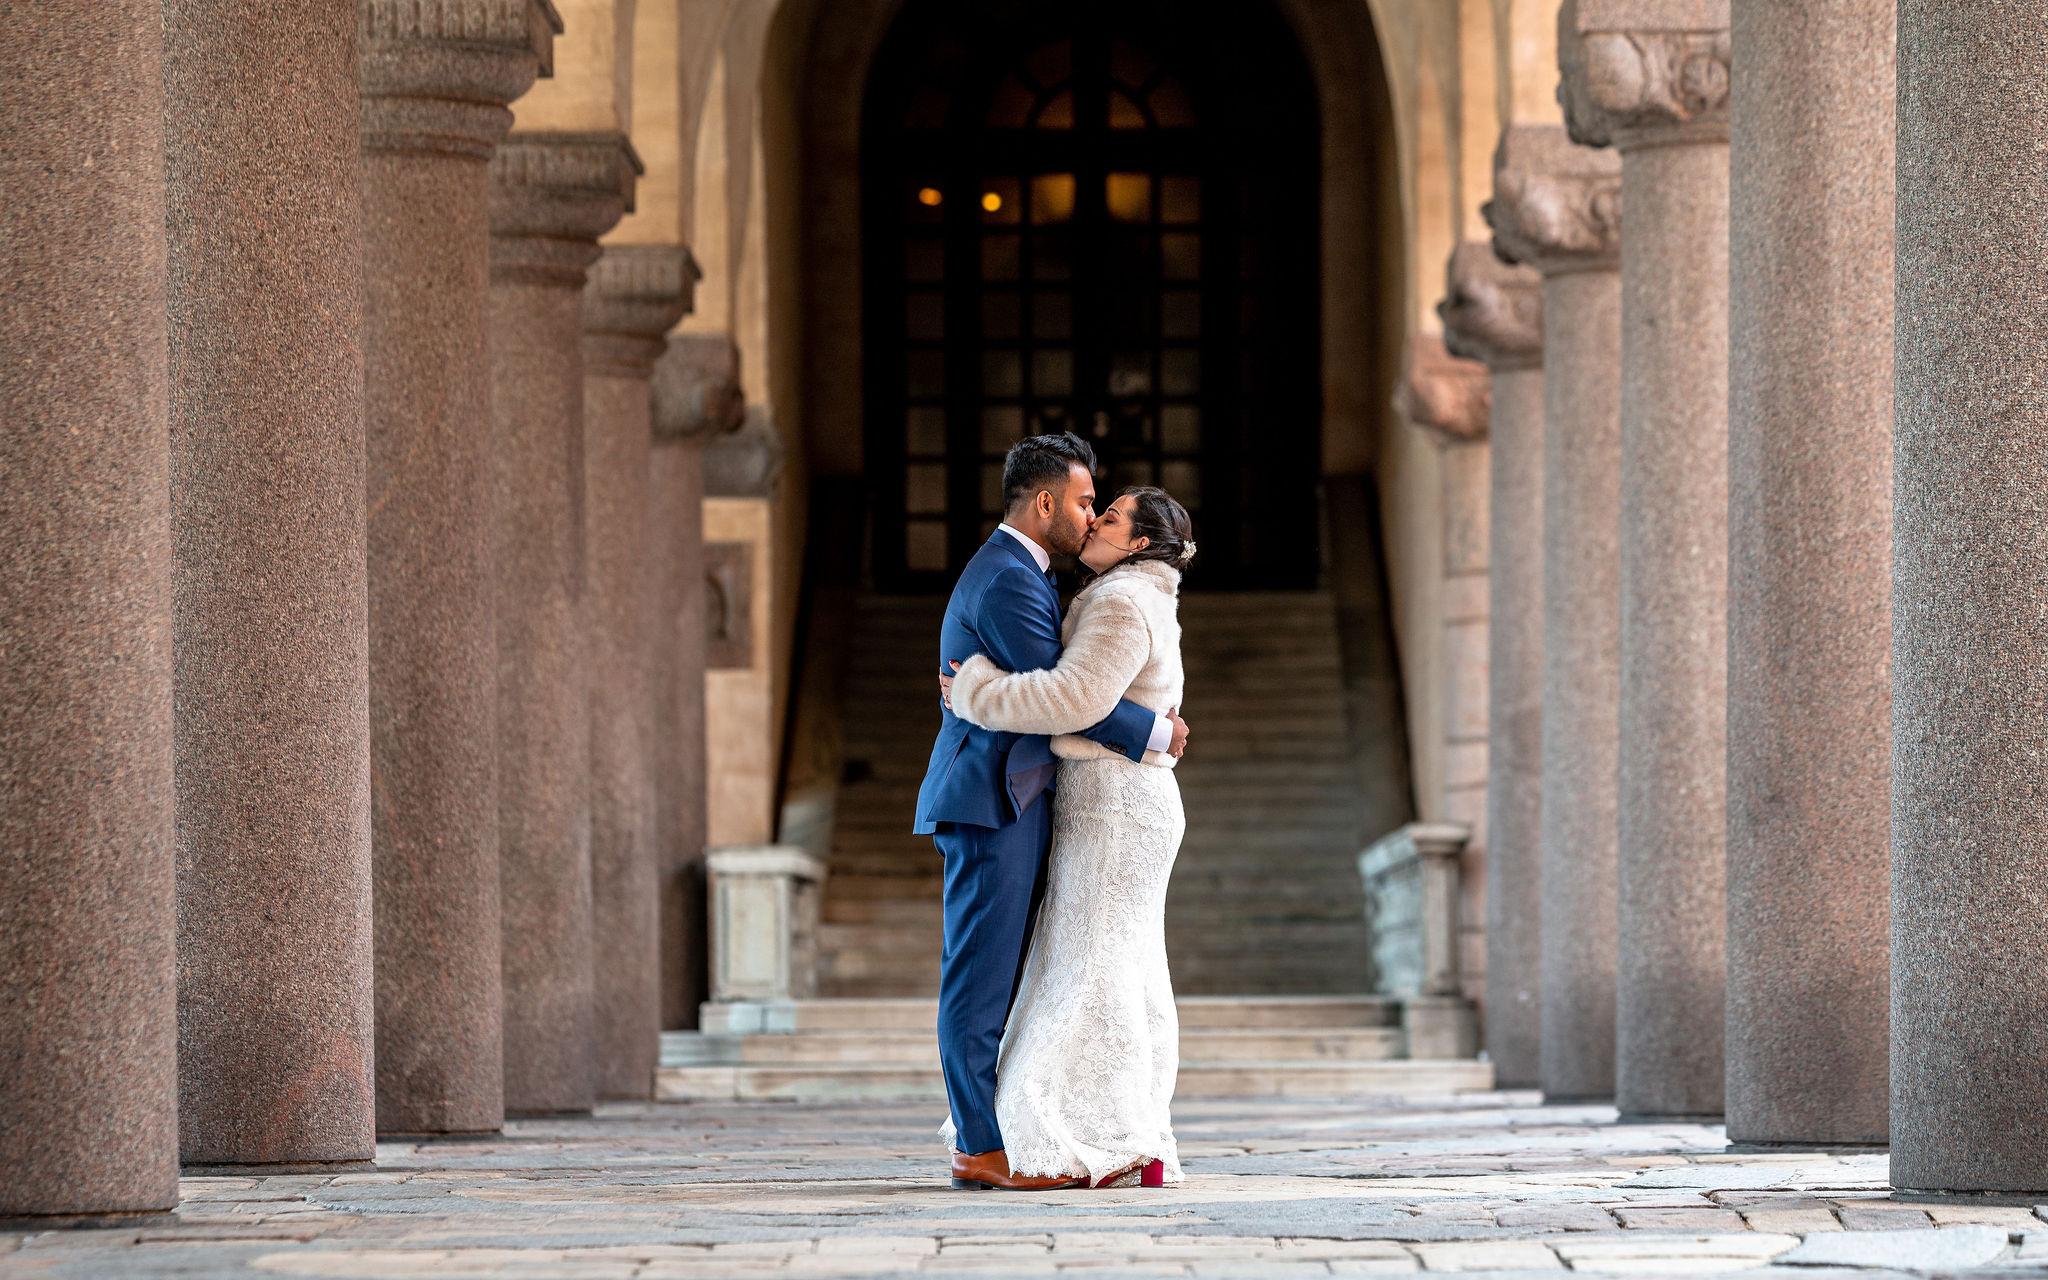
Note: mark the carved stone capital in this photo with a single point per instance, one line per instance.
(1556, 205)
(697, 388)
(1443, 394)
(634, 296)
(1644, 73)
(1492, 310)
(747, 463)
(552, 196)
(438, 75)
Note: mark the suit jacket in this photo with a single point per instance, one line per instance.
(1005, 608)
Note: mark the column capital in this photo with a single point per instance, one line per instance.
(696, 389)
(747, 463)
(438, 75)
(1644, 73)
(552, 196)
(634, 296)
(1556, 205)
(1492, 310)
(1442, 393)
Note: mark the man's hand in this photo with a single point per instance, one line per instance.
(946, 687)
(1179, 746)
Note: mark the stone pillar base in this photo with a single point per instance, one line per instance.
(1440, 1027)
(764, 923)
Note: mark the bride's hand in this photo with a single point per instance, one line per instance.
(946, 687)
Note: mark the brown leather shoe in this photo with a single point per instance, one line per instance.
(990, 1171)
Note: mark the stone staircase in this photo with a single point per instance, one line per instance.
(1265, 898)
(885, 1050)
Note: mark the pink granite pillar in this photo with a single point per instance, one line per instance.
(1650, 78)
(1969, 988)
(1809, 603)
(552, 196)
(1493, 313)
(436, 79)
(696, 397)
(88, 1028)
(275, 1006)
(635, 294)
(1557, 208)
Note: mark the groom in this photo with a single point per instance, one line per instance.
(983, 801)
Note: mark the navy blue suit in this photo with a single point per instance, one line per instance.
(981, 804)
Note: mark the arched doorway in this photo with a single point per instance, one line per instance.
(1100, 218)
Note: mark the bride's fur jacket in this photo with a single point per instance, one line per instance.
(1122, 640)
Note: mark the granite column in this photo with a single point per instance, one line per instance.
(436, 80)
(1969, 995)
(88, 1029)
(1557, 208)
(1650, 78)
(552, 196)
(1493, 313)
(275, 1006)
(1809, 599)
(635, 294)
(696, 398)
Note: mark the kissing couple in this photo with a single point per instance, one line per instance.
(1051, 797)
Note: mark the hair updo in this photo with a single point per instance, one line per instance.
(1155, 515)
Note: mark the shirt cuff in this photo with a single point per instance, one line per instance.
(1162, 735)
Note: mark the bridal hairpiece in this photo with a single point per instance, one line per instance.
(1187, 551)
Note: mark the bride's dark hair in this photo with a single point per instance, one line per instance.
(1157, 516)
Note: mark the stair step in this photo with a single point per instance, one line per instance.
(1351, 1081)
(921, 1048)
(1312, 1012)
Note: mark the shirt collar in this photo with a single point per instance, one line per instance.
(1038, 553)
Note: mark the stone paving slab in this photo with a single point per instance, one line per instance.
(1479, 1186)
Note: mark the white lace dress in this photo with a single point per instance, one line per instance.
(1085, 1081)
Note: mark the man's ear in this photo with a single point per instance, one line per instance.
(1044, 503)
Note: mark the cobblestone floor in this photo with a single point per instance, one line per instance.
(1488, 1185)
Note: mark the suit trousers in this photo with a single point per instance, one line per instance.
(995, 880)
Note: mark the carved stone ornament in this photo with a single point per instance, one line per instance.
(728, 606)
(438, 75)
(696, 388)
(1441, 393)
(1492, 310)
(552, 195)
(747, 463)
(1644, 72)
(634, 296)
(1556, 205)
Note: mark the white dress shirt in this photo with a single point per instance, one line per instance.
(1162, 728)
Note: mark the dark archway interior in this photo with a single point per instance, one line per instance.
(1101, 218)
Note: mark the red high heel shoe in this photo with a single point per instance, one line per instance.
(1154, 1175)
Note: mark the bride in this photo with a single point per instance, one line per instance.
(1086, 1074)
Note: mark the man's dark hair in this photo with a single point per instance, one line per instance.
(1042, 462)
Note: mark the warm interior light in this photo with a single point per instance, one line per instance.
(991, 201)
(929, 197)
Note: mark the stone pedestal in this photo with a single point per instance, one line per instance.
(435, 85)
(696, 397)
(1557, 208)
(1969, 994)
(275, 1007)
(1493, 313)
(1809, 601)
(88, 1028)
(764, 923)
(635, 293)
(552, 196)
(1412, 893)
(1450, 397)
(1650, 78)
